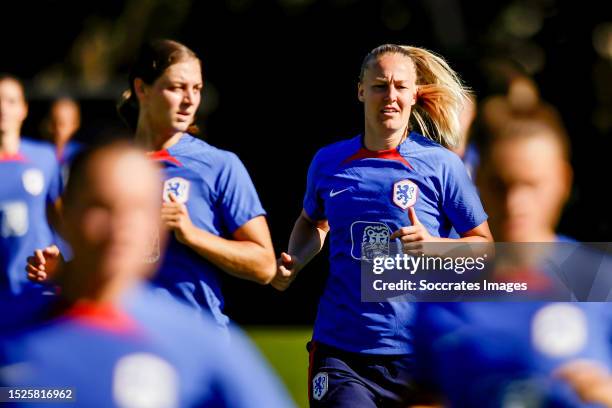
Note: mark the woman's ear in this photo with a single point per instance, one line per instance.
(139, 88)
(360, 92)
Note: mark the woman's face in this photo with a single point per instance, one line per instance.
(13, 108)
(388, 91)
(524, 185)
(111, 221)
(170, 103)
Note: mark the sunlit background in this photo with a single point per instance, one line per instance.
(281, 82)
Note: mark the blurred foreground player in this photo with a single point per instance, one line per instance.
(30, 184)
(527, 354)
(110, 337)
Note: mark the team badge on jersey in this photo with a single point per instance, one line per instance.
(405, 194)
(14, 218)
(33, 181)
(559, 330)
(369, 240)
(179, 187)
(319, 385)
(145, 380)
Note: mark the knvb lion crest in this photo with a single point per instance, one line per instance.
(405, 194)
(177, 186)
(319, 385)
(33, 181)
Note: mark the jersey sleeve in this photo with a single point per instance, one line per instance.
(313, 203)
(460, 200)
(239, 201)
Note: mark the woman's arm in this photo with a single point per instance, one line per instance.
(249, 255)
(307, 239)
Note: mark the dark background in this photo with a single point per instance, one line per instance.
(281, 83)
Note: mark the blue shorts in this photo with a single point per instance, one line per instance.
(338, 378)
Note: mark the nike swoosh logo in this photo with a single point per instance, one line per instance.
(335, 193)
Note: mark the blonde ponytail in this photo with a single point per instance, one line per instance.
(440, 99)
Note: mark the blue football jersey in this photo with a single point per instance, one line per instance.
(146, 350)
(220, 198)
(504, 354)
(30, 182)
(365, 196)
(71, 150)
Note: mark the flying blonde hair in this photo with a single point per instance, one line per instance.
(441, 94)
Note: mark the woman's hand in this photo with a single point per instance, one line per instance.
(286, 271)
(43, 264)
(414, 236)
(589, 379)
(176, 218)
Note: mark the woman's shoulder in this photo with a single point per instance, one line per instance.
(421, 145)
(37, 147)
(337, 151)
(195, 150)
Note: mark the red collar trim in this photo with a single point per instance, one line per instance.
(164, 155)
(105, 317)
(12, 157)
(390, 154)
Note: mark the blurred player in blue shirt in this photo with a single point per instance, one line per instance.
(378, 194)
(30, 184)
(539, 354)
(111, 338)
(59, 127)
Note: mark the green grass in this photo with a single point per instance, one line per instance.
(285, 350)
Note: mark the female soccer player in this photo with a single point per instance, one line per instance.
(210, 203)
(389, 186)
(138, 347)
(30, 183)
(540, 352)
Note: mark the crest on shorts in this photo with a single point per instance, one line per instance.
(405, 194)
(319, 385)
(33, 181)
(177, 186)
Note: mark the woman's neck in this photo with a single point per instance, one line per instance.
(375, 140)
(96, 291)
(151, 141)
(9, 143)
